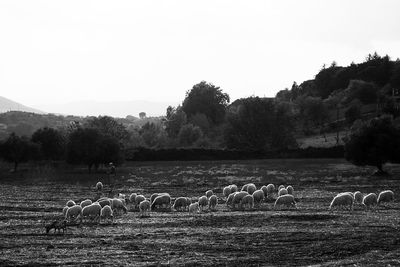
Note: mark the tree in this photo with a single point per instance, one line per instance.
(142, 115)
(257, 124)
(174, 121)
(52, 143)
(90, 147)
(189, 134)
(18, 149)
(207, 99)
(366, 92)
(152, 134)
(109, 126)
(373, 143)
(313, 112)
(353, 113)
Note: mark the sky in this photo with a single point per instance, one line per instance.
(53, 53)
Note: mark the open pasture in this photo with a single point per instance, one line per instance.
(310, 235)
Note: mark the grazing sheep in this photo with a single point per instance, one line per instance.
(85, 203)
(244, 188)
(270, 190)
(285, 200)
(132, 198)
(282, 192)
(237, 198)
(247, 202)
(144, 207)
(290, 189)
(212, 202)
(351, 193)
(64, 211)
(181, 203)
(153, 196)
(342, 200)
(91, 212)
(258, 197)
(117, 205)
(99, 186)
(251, 188)
(229, 200)
(234, 188)
(358, 197)
(226, 191)
(138, 199)
(163, 201)
(194, 207)
(370, 200)
(385, 196)
(265, 190)
(280, 187)
(57, 226)
(203, 202)
(106, 213)
(70, 203)
(105, 202)
(73, 213)
(209, 193)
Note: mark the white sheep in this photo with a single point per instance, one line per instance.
(285, 200)
(144, 207)
(70, 203)
(85, 203)
(73, 213)
(104, 202)
(244, 187)
(229, 200)
(342, 200)
(64, 211)
(280, 187)
(247, 202)
(203, 202)
(209, 193)
(270, 190)
(226, 191)
(258, 196)
(91, 212)
(237, 198)
(265, 190)
(358, 197)
(99, 186)
(385, 196)
(138, 199)
(194, 207)
(181, 203)
(106, 213)
(251, 188)
(282, 192)
(161, 201)
(234, 188)
(212, 202)
(117, 205)
(132, 198)
(370, 200)
(290, 189)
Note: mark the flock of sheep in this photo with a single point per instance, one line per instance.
(348, 199)
(249, 197)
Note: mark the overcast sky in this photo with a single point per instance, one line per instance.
(67, 51)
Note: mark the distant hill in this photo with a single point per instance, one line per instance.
(9, 105)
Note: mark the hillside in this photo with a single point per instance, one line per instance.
(9, 105)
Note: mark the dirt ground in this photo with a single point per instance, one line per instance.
(310, 235)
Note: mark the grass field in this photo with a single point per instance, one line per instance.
(310, 235)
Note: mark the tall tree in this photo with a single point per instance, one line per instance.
(109, 126)
(18, 149)
(373, 143)
(52, 143)
(208, 99)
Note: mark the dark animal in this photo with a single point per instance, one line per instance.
(57, 226)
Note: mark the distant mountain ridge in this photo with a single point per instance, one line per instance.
(10, 105)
